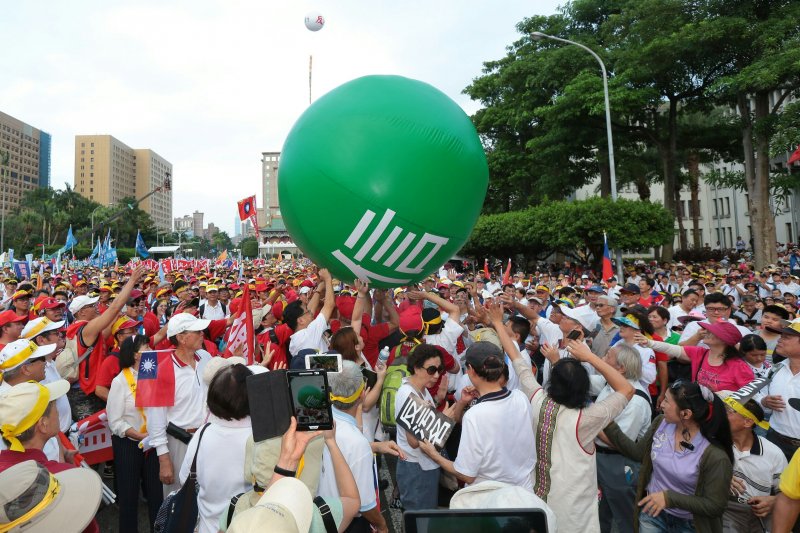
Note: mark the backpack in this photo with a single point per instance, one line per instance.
(202, 309)
(68, 362)
(395, 374)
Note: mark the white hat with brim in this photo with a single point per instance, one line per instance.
(584, 316)
(75, 504)
(286, 507)
(16, 353)
(80, 302)
(18, 402)
(39, 326)
(183, 322)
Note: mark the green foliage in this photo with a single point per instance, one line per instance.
(249, 247)
(574, 228)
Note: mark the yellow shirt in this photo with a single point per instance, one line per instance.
(790, 479)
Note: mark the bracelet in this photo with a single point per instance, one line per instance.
(283, 472)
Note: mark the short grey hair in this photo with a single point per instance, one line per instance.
(345, 383)
(628, 358)
(609, 300)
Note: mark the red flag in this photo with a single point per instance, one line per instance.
(94, 438)
(155, 386)
(794, 157)
(507, 274)
(608, 270)
(248, 210)
(241, 332)
(486, 269)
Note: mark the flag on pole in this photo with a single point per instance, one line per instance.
(161, 277)
(155, 386)
(507, 274)
(71, 240)
(608, 269)
(141, 247)
(486, 269)
(241, 332)
(40, 278)
(248, 211)
(223, 256)
(794, 157)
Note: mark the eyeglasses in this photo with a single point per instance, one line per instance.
(431, 370)
(716, 309)
(599, 306)
(35, 360)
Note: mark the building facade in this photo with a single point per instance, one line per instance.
(184, 224)
(270, 221)
(107, 170)
(197, 223)
(28, 168)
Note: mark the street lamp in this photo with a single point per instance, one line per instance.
(538, 36)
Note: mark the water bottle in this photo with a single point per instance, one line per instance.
(383, 356)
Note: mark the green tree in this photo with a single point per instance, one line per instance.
(221, 241)
(249, 247)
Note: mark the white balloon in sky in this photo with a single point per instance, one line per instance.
(314, 21)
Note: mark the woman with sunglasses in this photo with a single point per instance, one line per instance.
(687, 462)
(418, 474)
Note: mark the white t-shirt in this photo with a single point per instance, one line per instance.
(312, 337)
(214, 313)
(649, 369)
(675, 312)
(635, 419)
(692, 327)
(358, 454)
(497, 440)
(448, 337)
(412, 455)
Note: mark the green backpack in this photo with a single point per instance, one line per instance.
(395, 374)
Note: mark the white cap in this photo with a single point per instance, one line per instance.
(40, 325)
(80, 302)
(286, 506)
(183, 322)
(17, 352)
(305, 290)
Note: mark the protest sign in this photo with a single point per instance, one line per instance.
(424, 422)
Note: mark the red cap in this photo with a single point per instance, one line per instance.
(345, 305)
(7, 317)
(277, 310)
(261, 287)
(411, 319)
(50, 303)
(307, 283)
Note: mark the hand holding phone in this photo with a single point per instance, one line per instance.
(309, 396)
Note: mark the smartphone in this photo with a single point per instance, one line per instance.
(574, 335)
(328, 362)
(311, 405)
(370, 377)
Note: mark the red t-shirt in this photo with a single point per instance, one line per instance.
(108, 370)
(733, 374)
(150, 323)
(282, 334)
(89, 367)
(661, 357)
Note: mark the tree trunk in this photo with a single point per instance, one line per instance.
(668, 150)
(755, 141)
(682, 240)
(693, 164)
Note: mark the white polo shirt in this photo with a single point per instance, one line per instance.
(497, 440)
(189, 409)
(359, 457)
(448, 337)
(311, 337)
(786, 385)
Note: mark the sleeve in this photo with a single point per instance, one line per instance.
(744, 374)
(695, 354)
(598, 415)
(716, 470)
(363, 473)
(635, 450)
(470, 452)
(649, 369)
(452, 330)
(191, 450)
(108, 371)
(790, 479)
(527, 380)
(157, 428)
(596, 384)
(115, 408)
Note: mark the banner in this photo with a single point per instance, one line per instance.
(241, 332)
(22, 270)
(424, 422)
(93, 438)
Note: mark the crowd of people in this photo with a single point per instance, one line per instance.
(663, 402)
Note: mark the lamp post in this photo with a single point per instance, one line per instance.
(538, 36)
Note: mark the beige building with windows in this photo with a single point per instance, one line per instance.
(28, 167)
(107, 170)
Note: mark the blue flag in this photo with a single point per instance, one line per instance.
(141, 247)
(71, 240)
(161, 277)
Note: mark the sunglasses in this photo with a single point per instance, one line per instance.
(431, 370)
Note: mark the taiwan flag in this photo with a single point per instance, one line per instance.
(155, 386)
(608, 270)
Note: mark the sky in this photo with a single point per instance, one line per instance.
(210, 85)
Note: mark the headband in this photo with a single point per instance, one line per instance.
(742, 410)
(350, 399)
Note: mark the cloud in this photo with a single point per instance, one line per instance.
(209, 85)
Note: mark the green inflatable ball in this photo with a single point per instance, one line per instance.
(311, 397)
(382, 179)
